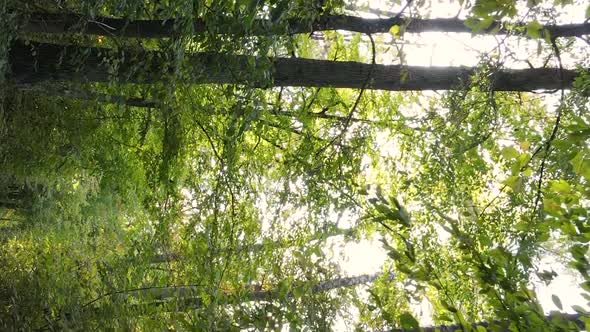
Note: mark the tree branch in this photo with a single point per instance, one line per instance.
(108, 26)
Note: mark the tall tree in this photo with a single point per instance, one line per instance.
(42, 62)
(229, 132)
(106, 26)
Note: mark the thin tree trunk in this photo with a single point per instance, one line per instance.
(54, 63)
(17, 196)
(499, 326)
(256, 247)
(72, 93)
(187, 293)
(107, 26)
(80, 94)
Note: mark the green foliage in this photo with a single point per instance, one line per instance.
(170, 206)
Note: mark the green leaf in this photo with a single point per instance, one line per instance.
(533, 29)
(404, 269)
(560, 186)
(394, 30)
(298, 291)
(580, 310)
(386, 245)
(509, 152)
(477, 25)
(579, 251)
(581, 164)
(515, 182)
(445, 317)
(551, 207)
(556, 301)
(283, 288)
(547, 35)
(382, 208)
(532, 3)
(394, 254)
(408, 321)
(448, 306)
(522, 226)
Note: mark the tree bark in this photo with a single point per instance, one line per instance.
(15, 195)
(256, 247)
(107, 26)
(188, 292)
(49, 62)
(497, 326)
(81, 94)
(77, 94)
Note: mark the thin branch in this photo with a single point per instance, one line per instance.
(357, 101)
(555, 126)
(290, 129)
(210, 141)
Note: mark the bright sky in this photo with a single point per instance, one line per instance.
(440, 49)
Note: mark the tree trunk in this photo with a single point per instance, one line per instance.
(16, 195)
(500, 326)
(187, 293)
(77, 94)
(68, 92)
(50, 62)
(106, 26)
(256, 247)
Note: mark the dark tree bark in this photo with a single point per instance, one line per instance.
(67, 92)
(15, 195)
(107, 26)
(50, 62)
(77, 94)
